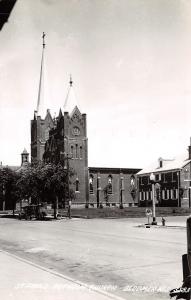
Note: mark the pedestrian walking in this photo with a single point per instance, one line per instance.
(163, 221)
(69, 209)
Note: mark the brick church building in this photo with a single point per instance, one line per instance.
(65, 137)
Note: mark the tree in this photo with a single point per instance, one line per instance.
(57, 181)
(30, 183)
(8, 187)
(45, 181)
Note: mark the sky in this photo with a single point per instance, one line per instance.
(130, 61)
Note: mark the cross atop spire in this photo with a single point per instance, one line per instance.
(43, 38)
(71, 81)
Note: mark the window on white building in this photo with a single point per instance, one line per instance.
(110, 187)
(91, 184)
(186, 174)
(77, 185)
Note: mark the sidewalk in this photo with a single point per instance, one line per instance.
(168, 225)
(170, 222)
(20, 279)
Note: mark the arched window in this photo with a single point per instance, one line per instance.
(81, 152)
(110, 188)
(72, 151)
(77, 185)
(76, 150)
(91, 184)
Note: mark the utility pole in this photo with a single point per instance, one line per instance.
(98, 190)
(68, 187)
(121, 187)
(179, 200)
(3, 197)
(152, 179)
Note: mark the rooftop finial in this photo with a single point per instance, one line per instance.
(71, 81)
(43, 38)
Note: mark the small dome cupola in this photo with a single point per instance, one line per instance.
(24, 157)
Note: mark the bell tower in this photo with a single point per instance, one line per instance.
(75, 129)
(68, 140)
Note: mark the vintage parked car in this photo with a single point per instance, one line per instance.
(35, 211)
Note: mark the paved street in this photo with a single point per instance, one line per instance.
(113, 255)
(24, 280)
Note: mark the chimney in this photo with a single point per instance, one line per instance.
(160, 160)
(189, 150)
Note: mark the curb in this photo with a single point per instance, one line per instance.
(160, 226)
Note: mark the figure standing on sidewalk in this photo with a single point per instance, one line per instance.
(163, 221)
(69, 209)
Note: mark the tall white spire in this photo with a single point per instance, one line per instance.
(70, 101)
(41, 76)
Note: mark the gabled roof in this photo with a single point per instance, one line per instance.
(75, 111)
(48, 116)
(168, 165)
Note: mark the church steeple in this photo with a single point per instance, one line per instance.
(70, 101)
(39, 102)
(42, 122)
